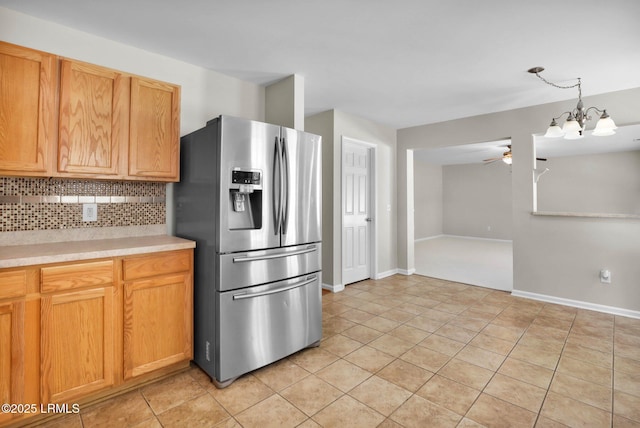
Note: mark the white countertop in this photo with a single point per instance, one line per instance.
(55, 252)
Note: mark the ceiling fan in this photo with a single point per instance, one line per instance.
(506, 157)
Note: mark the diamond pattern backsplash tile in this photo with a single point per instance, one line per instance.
(53, 203)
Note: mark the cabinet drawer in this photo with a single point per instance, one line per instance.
(157, 264)
(77, 275)
(13, 284)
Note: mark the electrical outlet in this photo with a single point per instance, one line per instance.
(605, 276)
(89, 212)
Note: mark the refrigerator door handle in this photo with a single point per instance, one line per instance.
(277, 204)
(307, 280)
(285, 199)
(309, 249)
(281, 160)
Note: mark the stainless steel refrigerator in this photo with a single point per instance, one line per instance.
(250, 196)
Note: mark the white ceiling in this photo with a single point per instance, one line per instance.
(400, 63)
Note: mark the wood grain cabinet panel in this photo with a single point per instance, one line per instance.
(154, 136)
(76, 275)
(77, 344)
(93, 123)
(13, 283)
(157, 323)
(157, 311)
(28, 85)
(19, 340)
(12, 354)
(157, 264)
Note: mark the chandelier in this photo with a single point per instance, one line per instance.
(574, 126)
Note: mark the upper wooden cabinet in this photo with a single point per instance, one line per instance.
(28, 83)
(110, 124)
(154, 137)
(94, 119)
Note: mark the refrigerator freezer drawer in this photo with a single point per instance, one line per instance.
(260, 325)
(239, 270)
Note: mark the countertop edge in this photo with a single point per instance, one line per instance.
(58, 252)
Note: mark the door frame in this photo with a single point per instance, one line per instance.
(373, 213)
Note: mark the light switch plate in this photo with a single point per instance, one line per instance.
(89, 212)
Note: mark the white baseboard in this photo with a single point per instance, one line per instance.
(476, 238)
(339, 287)
(428, 238)
(333, 288)
(577, 304)
(385, 274)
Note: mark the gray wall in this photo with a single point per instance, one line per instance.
(284, 102)
(333, 125)
(600, 183)
(477, 200)
(553, 256)
(427, 193)
(464, 200)
(323, 124)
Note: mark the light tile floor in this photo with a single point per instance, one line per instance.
(412, 351)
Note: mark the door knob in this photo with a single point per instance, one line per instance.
(368, 219)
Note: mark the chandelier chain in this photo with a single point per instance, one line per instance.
(556, 85)
(579, 85)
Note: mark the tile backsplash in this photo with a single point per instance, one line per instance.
(29, 204)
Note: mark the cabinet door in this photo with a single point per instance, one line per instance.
(77, 343)
(93, 119)
(11, 354)
(28, 83)
(158, 323)
(155, 130)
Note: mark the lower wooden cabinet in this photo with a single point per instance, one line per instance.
(157, 311)
(71, 332)
(11, 354)
(77, 344)
(157, 323)
(19, 347)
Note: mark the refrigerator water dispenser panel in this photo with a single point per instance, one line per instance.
(246, 177)
(245, 199)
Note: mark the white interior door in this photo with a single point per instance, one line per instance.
(356, 216)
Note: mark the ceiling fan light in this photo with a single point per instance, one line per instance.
(554, 130)
(605, 126)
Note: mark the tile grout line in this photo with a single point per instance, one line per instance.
(555, 369)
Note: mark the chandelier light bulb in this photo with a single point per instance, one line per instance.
(554, 130)
(605, 126)
(571, 128)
